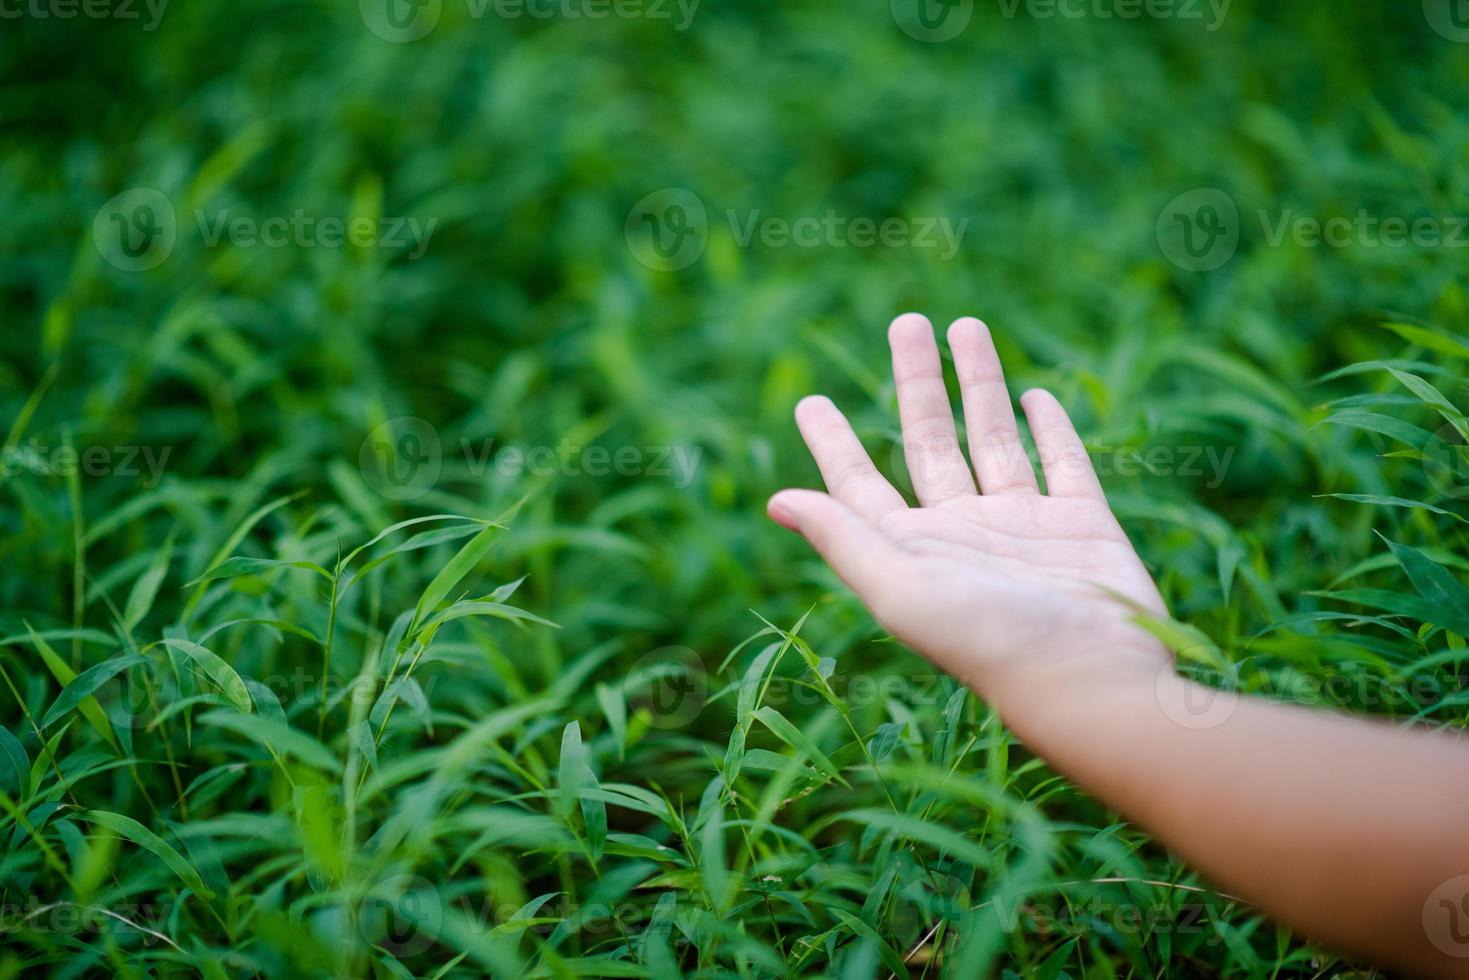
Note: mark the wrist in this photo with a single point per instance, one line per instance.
(1118, 668)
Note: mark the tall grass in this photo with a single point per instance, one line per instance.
(310, 669)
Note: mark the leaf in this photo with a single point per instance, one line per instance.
(86, 683)
(1386, 425)
(1189, 642)
(265, 700)
(452, 573)
(360, 735)
(14, 763)
(414, 522)
(942, 839)
(890, 957)
(614, 707)
(653, 943)
(130, 829)
(90, 709)
(751, 683)
(1441, 342)
(797, 739)
(237, 566)
(1396, 603)
(576, 775)
(711, 856)
(1437, 585)
(480, 607)
(749, 695)
(276, 624)
(220, 673)
(1431, 396)
(277, 736)
(233, 541)
(145, 589)
(403, 689)
(1381, 501)
(418, 542)
(885, 741)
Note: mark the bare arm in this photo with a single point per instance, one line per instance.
(1349, 830)
(1353, 831)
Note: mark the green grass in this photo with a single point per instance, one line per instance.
(615, 722)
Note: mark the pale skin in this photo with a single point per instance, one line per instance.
(1352, 831)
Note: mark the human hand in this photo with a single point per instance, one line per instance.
(999, 587)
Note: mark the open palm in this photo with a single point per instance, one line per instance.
(989, 583)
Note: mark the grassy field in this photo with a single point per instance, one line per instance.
(385, 587)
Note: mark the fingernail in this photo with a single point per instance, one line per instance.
(780, 513)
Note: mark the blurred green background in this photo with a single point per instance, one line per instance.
(531, 315)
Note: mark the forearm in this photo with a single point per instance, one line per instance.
(1342, 828)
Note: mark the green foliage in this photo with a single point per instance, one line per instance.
(272, 707)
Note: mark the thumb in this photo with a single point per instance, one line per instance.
(863, 556)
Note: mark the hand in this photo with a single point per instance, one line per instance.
(999, 587)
